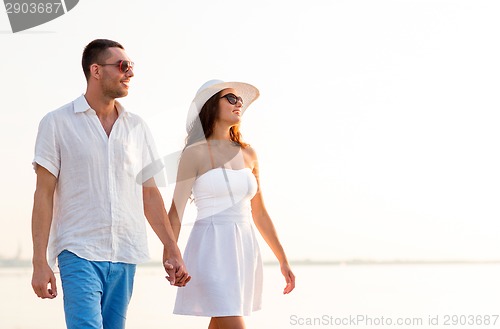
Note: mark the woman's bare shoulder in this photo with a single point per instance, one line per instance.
(198, 158)
(250, 156)
(195, 152)
(250, 152)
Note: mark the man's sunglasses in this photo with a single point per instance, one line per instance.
(124, 66)
(233, 99)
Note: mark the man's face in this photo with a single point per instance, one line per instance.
(114, 81)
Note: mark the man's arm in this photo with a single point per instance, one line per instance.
(155, 212)
(43, 280)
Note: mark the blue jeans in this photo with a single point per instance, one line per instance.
(96, 294)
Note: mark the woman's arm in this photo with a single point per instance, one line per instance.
(186, 175)
(182, 191)
(154, 210)
(266, 228)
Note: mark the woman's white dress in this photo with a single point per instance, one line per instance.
(222, 254)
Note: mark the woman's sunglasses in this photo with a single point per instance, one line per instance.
(233, 99)
(124, 66)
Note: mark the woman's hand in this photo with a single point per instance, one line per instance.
(289, 278)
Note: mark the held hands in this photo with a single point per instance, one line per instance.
(44, 282)
(289, 277)
(176, 272)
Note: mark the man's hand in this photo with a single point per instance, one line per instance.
(44, 282)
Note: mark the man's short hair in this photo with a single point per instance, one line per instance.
(95, 52)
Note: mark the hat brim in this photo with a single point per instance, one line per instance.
(246, 91)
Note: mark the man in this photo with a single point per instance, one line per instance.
(88, 207)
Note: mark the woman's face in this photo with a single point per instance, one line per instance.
(230, 107)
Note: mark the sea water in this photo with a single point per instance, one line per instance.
(326, 296)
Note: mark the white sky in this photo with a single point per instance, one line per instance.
(377, 126)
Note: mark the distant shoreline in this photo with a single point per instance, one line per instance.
(308, 262)
(391, 262)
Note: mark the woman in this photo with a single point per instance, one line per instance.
(221, 172)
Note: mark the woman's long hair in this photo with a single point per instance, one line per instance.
(203, 127)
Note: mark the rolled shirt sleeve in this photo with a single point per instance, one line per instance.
(47, 152)
(152, 164)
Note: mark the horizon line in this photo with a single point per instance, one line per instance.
(308, 262)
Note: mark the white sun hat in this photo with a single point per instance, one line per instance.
(246, 91)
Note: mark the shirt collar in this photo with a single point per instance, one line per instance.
(81, 105)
